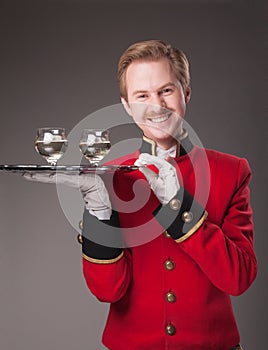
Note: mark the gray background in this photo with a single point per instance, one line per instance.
(58, 64)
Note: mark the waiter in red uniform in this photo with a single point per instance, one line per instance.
(173, 290)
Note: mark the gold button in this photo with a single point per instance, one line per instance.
(80, 225)
(170, 329)
(167, 234)
(187, 217)
(175, 204)
(80, 238)
(171, 297)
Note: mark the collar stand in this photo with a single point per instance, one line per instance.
(184, 145)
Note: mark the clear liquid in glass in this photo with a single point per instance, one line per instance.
(51, 151)
(95, 152)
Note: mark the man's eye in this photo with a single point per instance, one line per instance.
(166, 91)
(141, 97)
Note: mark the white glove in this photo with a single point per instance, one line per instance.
(165, 184)
(91, 187)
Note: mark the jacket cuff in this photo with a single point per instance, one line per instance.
(101, 239)
(182, 216)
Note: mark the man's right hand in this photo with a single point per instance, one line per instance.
(91, 187)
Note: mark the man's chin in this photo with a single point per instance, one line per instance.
(157, 134)
(161, 139)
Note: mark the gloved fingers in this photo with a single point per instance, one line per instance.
(71, 180)
(92, 187)
(86, 182)
(146, 159)
(165, 168)
(165, 184)
(40, 177)
(143, 159)
(150, 175)
(165, 191)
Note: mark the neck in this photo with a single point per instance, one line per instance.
(166, 145)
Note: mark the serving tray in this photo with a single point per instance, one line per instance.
(82, 169)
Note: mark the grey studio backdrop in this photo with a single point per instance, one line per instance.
(57, 65)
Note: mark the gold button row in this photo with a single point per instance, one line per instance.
(170, 298)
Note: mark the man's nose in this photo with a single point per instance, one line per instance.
(158, 100)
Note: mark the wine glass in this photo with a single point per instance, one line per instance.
(51, 143)
(94, 144)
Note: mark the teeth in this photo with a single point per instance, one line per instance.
(160, 119)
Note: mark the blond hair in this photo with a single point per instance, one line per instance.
(153, 50)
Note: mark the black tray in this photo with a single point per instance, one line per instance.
(19, 168)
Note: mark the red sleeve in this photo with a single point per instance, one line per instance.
(225, 252)
(109, 279)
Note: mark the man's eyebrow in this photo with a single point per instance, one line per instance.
(136, 92)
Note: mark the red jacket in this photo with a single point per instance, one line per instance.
(173, 292)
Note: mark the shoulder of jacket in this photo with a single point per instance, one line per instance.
(225, 161)
(224, 157)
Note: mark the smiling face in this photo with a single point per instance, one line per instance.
(156, 100)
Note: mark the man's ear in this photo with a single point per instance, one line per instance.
(126, 106)
(187, 94)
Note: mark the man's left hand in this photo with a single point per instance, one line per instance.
(165, 184)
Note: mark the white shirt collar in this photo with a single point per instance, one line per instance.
(164, 153)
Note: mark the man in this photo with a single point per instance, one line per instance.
(173, 291)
